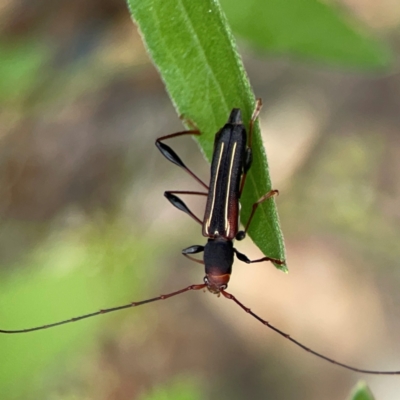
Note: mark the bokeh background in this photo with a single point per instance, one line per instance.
(84, 224)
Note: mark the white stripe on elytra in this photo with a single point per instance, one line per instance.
(227, 226)
(214, 188)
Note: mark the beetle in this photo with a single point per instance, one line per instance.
(231, 160)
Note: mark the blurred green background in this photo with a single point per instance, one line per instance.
(84, 224)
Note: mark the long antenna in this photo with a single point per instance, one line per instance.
(225, 294)
(287, 336)
(106, 310)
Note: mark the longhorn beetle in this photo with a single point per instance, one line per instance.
(232, 158)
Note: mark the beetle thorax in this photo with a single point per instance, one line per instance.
(218, 260)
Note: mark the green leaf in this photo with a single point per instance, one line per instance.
(309, 29)
(361, 392)
(193, 48)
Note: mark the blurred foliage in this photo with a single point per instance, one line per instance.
(361, 392)
(350, 199)
(180, 388)
(20, 67)
(73, 272)
(306, 29)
